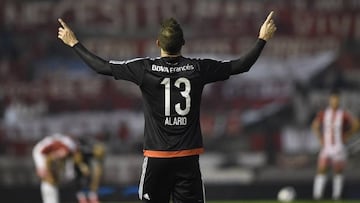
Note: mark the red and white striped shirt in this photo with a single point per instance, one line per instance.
(334, 123)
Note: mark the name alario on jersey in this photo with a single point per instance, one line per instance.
(175, 120)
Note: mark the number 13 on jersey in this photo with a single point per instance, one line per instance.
(178, 109)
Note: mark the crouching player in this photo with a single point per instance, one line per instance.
(49, 155)
(88, 160)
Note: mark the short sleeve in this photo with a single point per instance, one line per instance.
(213, 70)
(131, 70)
(347, 119)
(320, 116)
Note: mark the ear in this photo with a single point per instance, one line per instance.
(158, 43)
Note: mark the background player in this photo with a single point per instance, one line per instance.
(333, 126)
(49, 155)
(171, 87)
(89, 160)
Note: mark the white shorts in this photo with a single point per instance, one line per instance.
(334, 153)
(49, 193)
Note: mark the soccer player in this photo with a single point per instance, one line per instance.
(88, 165)
(171, 87)
(49, 156)
(333, 126)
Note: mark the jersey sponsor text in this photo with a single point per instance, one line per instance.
(166, 69)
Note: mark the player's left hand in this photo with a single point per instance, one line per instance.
(42, 173)
(66, 34)
(84, 169)
(268, 28)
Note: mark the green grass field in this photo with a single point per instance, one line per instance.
(270, 201)
(267, 201)
(274, 201)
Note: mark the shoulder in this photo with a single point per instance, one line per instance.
(130, 61)
(208, 58)
(347, 114)
(198, 60)
(320, 114)
(46, 141)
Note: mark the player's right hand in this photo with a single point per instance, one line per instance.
(268, 29)
(66, 34)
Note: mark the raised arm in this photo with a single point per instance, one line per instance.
(244, 63)
(98, 64)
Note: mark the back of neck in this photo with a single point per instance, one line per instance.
(166, 54)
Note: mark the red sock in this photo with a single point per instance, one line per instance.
(81, 197)
(93, 198)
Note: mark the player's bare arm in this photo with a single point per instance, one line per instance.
(99, 153)
(244, 63)
(48, 176)
(95, 62)
(96, 176)
(78, 160)
(315, 126)
(353, 129)
(355, 125)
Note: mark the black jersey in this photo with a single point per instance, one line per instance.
(171, 89)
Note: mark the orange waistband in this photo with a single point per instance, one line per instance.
(171, 154)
